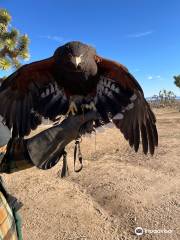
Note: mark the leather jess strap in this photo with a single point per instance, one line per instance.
(77, 153)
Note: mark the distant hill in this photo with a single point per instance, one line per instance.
(150, 98)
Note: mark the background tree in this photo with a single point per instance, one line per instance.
(166, 97)
(177, 80)
(13, 45)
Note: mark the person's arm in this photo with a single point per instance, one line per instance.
(46, 148)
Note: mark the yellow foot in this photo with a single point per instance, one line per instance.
(72, 109)
(90, 106)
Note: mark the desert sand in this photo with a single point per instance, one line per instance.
(117, 190)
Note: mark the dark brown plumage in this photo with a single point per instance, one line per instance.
(76, 74)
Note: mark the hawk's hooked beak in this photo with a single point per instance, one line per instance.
(78, 60)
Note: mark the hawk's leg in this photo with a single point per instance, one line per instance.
(72, 108)
(77, 102)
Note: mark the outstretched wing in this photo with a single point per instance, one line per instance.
(28, 94)
(120, 98)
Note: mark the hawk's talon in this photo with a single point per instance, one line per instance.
(90, 106)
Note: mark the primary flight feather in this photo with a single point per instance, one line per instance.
(76, 80)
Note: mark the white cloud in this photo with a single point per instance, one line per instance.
(53, 38)
(150, 77)
(158, 76)
(136, 70)
(140, 34)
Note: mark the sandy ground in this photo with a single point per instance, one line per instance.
(116, 191)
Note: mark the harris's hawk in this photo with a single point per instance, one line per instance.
(76, 80)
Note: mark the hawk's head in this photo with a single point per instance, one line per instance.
(76, 57)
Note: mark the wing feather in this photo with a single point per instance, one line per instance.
(21, 96)
(136, 136)
(124, 99)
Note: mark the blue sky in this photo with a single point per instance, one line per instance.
(144, 35)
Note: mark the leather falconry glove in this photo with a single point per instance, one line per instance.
(46, 148)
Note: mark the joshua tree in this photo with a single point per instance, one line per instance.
(177, 80)
(171, 96)
(13, 45)
(166, 96)
(161, 96)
